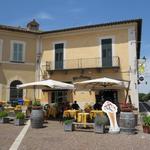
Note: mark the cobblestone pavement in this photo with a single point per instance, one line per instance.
(8, 133)
(53, 137)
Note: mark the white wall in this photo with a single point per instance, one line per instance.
(133, 66)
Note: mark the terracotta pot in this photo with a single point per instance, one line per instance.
(36, 107)
(146, 129)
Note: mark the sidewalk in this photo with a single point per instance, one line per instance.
(8, 133)
(53, 137)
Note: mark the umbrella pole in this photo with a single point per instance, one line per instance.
(127, 92)
(34, 94)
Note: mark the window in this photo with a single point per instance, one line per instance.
(15, 93)
(106, 52)
(17, 51)
(59, 55)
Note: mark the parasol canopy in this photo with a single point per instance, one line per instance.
(46, 83)
(103, 83)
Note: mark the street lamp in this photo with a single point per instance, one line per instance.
(144, 58)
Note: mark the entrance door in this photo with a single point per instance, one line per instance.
(59, 96)
(59, 54)
(106, 52)
(107, 95)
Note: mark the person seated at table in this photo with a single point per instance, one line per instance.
(97, 106)
(75, 106)
(1, 107)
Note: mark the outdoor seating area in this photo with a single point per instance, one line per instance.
(86, 124)
(9, 114)
(90, 116)
(102, 117)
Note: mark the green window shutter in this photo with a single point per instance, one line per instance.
(17, 52)
(107, 52)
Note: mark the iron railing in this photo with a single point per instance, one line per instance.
(83, 63)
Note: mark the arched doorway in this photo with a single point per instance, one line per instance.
(14, 92)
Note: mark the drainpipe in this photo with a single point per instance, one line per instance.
(38, 58)
(38, 62)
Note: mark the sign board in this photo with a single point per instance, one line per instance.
(110, 109)
(141, 69)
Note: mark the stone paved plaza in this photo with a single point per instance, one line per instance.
(53, 137)
(8, 134)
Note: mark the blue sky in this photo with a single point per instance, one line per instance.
(58, 14)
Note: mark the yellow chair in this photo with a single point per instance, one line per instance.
(27, 102)
(93, 113)
(82, 118)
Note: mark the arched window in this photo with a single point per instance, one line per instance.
(14, 92)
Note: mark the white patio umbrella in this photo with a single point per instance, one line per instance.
(47, 83)
(102, 83)
(106, 83)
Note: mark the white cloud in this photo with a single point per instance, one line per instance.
(43, 16)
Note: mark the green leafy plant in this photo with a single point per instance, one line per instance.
(101, 120)
(146, 120)
(67, 122)
(3, 114)
(20, 115)
(36, 103)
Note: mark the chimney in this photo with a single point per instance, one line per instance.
(33, 25)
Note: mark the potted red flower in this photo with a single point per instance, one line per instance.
(146, 124)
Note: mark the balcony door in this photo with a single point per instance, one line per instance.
(106, 53)
(59, 55)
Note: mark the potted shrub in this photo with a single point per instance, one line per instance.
(37, 115)
(99, 124)
(87, 108)
(146, 124)
(3, 117)
(68, 124)
(19, 120)
(36, 105)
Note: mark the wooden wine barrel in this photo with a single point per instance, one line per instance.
(37, 118)
(127, 122)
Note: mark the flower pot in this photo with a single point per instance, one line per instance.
(99, 128)
(37, 117)
(68, 127)
(146, 129)
(127, 122)
(4, 120)
(19, 122)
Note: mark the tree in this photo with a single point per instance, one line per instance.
(141, 96)
(144, 97)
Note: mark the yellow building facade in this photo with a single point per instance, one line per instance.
(72, 55)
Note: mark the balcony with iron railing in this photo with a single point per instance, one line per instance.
(83, 63)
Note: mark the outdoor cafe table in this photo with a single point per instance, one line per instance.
(93, 113)
(71, 113)
(9, 108)
(82, 118)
